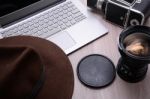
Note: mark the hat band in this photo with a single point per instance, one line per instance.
(38, 85)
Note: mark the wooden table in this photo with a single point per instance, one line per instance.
(119, 89)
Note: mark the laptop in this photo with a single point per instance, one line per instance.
(67, 23)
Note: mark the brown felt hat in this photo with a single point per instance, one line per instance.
(34, 68)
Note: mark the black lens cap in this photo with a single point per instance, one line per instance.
(96, 71)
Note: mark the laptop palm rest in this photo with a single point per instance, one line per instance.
(63, 40)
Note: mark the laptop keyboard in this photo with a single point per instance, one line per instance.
(48, 23)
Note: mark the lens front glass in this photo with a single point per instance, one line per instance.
(137, 44)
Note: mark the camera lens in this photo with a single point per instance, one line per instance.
(134, 47)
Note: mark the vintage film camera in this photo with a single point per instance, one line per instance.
(123, 12)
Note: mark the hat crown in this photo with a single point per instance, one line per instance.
(20, 71)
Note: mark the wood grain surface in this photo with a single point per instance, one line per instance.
(107, 46)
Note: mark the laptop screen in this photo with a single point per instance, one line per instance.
(12, 10)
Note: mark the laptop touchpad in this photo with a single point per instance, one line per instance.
(63, 40)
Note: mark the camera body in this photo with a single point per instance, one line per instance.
(123, 12)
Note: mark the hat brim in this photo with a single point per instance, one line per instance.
(59, 78)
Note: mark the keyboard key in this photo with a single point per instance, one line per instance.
(40, 23)
(15, 30)
(45, 20)
(63, 26)
(20, 27)
(75, 11)
(60, 19)
(60, 13)
(38, 33)
(50, 28)
(31, 28)
(35, 25)
(77, 15)
(73, 21)
(64, 16)
(50, 22)
(41, 18)
(56, 16)
(25, 30)
(70, 5)
(80, 18)
(65, 20)
(60, 23)
(65, 11)
(68, 24)
(69, 13)
(69, 18)
(34, 30)
(74, 7)
(65, 6)
(55, 30)
(44, 25)
(45, 30)
(25, 25)
(40, 28)
(45, 16)
(55, 21)
(50, 18)
(18, 33)
(36, 21)
(55, 25)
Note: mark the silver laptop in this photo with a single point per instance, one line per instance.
(67, 23)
